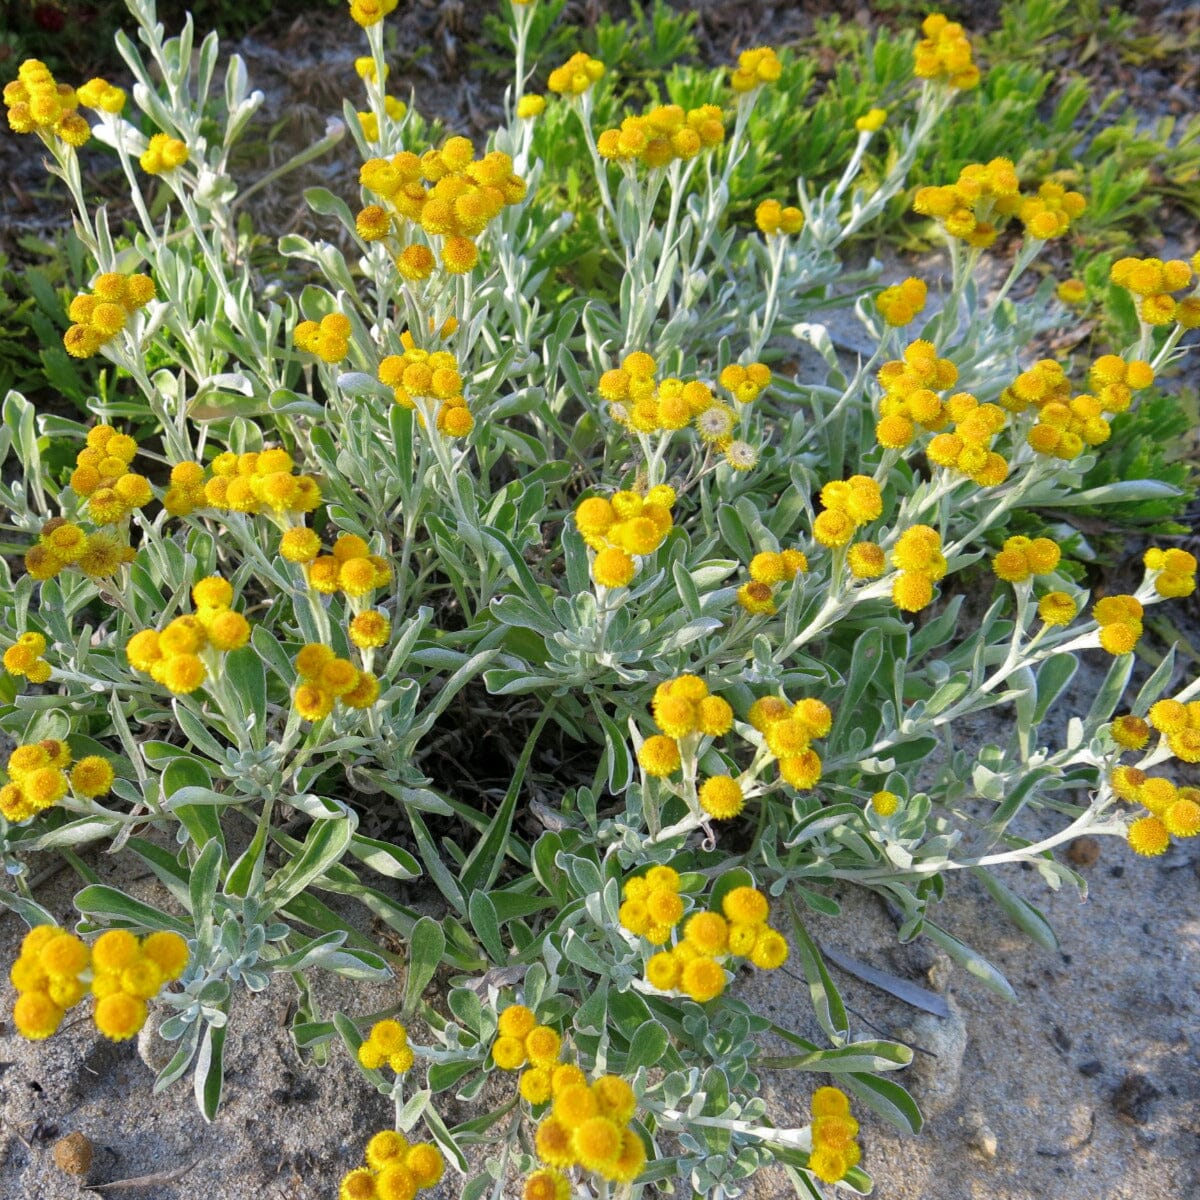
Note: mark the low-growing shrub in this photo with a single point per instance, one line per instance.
(446, 471)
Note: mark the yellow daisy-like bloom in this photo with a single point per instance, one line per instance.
(1182, 818)
(1148, 837)
(757, 599)
(508, 1053)
(663, 970)
(708, 932)
(168, 951)
(770, 950)
(630, 1159)
(703, 979)
(885, 803)
(65, 956)
(542, 1045)
(529, 107)
(1130, 732)
(119, 1016)
(535, 1085)
(829, 1163)
(395, 1182)
(553, 1143)
(745, 905)
(659, 756)
(426, 1164)
(574, 1104)
(614, 1098)
(370, 630)
(1057, 608)
(36, 1016)
(359, 1184)
(313, 702)
(547, 1183)
(517, 1021)
(613, 568)
(389, 1036)
(92, 776)
(564, 1075)
(721, 797)
(386, 1147)
(597, 1143)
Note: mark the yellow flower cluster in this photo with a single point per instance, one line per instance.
(663, 134)
(849, 504)
(969, 209)
(834, 1149)
(38, 778)
(521, 1041)
(351, 568)
(370, 12)
(98, 318)
(694, 965)
(395, 1170)
(37, 103)
(1114, 381)
(745, 383)
(910, 395)
(968, 449)
(684, 705)
(386, 1043)
(1049, 214)
(466, 194)
(1152, 281)
(945, 53)
(642, 404)
(1120, 621)
(325, 678)
(576, 75)
(529, 107)
(754, 68)
(62, 544)
(918, 554)
(1179, 723)
(101, 95)
(24, 657)
(392, 106)
(623, 528)
(767, 569)
(773, 218)
(163, 154)
(899, 304)
(1022, 558)
(56, 969)
(588, 1127)
(1176, 572)
(183, 655)
(102, 475)
(1066, 424)
(1173, 811)
(651, 905)
(789, 731)
(429, 376)
(258, 481)
(328, 339)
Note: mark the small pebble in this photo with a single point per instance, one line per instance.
(73, 1154)
(1083, 852)
(1134, 1098)
(1091, 1068)
(984, 1140)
